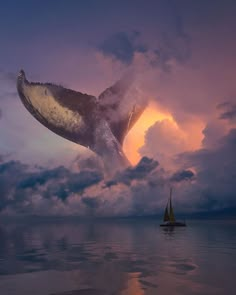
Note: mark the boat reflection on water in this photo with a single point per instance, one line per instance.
(168, 230)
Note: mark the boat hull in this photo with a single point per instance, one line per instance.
(176, 223)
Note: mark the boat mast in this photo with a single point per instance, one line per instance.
(172, 216)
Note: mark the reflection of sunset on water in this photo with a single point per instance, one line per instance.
(134, 287)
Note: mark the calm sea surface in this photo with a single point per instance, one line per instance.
(129, 257)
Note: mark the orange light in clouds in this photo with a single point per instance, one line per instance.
(135, 138)
(192, 132)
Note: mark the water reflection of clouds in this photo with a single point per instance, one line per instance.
(82, 292)
(180, 266)
(120, 258)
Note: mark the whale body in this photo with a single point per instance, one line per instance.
(98, 123)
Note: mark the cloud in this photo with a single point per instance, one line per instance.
(140, 171)
(11, 173)
(21, 186)
(182, 175)
(58, 191)
(87, 162)
(122, 46)
(213, 132)
(228, 111)
(204, 182)
(172, 48)
(163, 141)
(214, 186)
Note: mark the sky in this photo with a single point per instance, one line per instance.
(183, 55)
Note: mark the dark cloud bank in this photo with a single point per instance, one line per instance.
(214, 185)
(137, 191)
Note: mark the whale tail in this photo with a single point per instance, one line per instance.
(99, 124)
(121, 107)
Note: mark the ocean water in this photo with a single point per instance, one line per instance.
(117, 257)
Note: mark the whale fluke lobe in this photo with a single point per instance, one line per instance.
(99, 124)
(121, 110)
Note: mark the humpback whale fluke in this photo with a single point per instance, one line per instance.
(99, 124)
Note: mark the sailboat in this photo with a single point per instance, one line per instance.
(169, 217)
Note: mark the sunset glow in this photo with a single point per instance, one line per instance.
(135, 138)
(191, 134)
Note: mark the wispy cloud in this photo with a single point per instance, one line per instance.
(122, 46)
(228, 111)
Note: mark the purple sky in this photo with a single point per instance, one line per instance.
(183, 53)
